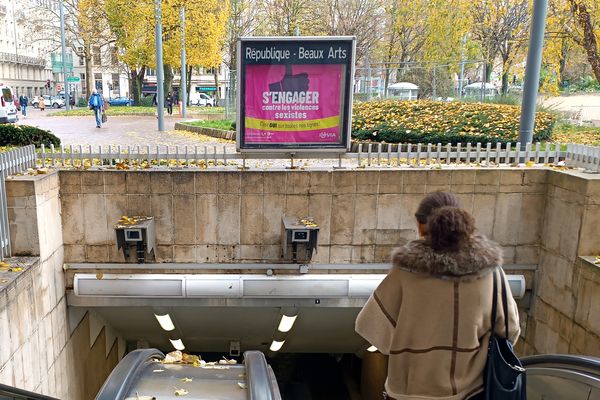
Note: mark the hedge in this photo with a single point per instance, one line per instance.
(423, 121)
(23, 135)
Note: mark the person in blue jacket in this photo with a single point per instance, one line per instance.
(96, 103)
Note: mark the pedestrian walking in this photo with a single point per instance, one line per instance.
(154, 102)
(23, 100)
(170, 103)
(96, 103)
(432, 314)
(42, 103)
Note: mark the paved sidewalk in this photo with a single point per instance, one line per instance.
(125, 131)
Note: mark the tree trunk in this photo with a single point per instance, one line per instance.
(189, 82)
(137, 80)
(89, 79)
(589, 43)
(505, 78)
(168, 82)
(217, 94)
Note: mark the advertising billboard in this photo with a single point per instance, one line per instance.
(295, 93)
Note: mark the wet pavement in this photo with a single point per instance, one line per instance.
(123, 130)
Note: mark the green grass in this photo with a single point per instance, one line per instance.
(567, 133)
(136, 110)
(224, 124)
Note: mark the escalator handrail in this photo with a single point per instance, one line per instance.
(121, 379)
(260, 386)
(575, 362)
(21, 394)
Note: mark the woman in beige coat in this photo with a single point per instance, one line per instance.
(432, 313)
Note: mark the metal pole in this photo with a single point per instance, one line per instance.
(483, 78)
(368, 76)
(462, 67)
(64, 55)
(183, 78)
(433, 86)
(160, 96)
(532, 71)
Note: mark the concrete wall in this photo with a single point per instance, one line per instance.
(38, 350)
(235, 216)
(566, 312)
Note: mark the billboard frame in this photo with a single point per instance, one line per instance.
(345, 119)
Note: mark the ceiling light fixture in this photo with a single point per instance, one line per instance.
(178, 344)
(165, 322)
(286, 323)
(276, 346)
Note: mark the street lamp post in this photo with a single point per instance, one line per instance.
(160, 97)
(64, 55)
(183, 77)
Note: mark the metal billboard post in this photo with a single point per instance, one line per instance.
(160, 97)
(183, 77)
(64, 54)
(532, 71)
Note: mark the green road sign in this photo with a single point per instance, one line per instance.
(75, 80)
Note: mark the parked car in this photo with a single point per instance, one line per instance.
(49, 101)
(201, 99)
(120, 101)
(8, 110)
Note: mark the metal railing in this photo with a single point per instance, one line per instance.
(362, 155)
(11, 162)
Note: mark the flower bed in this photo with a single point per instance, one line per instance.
(423, 121)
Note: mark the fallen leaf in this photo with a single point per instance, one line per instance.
(158, 370)
(15, 269)
(186, 380)
(99, 275)
(141, 398)
(181, 392)
(4, 265)
(242, 385)
(3, 280)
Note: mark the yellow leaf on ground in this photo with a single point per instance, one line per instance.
(186, 380)
(181, 392)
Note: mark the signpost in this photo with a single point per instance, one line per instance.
(74, 80)
(295, 93)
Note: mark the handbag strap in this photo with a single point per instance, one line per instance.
(505, 305)
(494, 297)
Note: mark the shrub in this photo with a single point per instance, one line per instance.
(23, 135)
(422, 121)
(82, 102)
(146, 101)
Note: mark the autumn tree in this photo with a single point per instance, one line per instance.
(501, 27)
(582, 27)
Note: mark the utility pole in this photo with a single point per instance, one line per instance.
(461, 78)
(368, 75)
(183, 78)
(160, 96)
(64, 55)
(532, 71)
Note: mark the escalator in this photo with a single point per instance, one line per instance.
(554, 377)
(142, 375)
(12, 393)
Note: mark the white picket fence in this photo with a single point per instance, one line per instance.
(368, 155)
(11, 162)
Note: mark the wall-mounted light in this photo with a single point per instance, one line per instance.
(178, 344)
(372, 349)
(286, 323)
(276, 346)
(165, 322)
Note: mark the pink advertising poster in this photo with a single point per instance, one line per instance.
(293, 103)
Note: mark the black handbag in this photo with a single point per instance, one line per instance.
(504, 374)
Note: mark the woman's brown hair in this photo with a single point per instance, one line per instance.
(448, 225)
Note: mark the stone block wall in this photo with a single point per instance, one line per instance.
(565, 310)
(235, 216)
(38, 350)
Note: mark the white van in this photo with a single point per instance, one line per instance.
(201, 99)
(8, 110)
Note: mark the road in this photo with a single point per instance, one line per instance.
(124, 131)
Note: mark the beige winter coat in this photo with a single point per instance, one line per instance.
(432, 316)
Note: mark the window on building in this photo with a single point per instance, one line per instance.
(98, 81)
(116, 89)
(83, 84)
(81, 58)
(97, 55)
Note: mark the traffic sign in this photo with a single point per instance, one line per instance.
(74, 80)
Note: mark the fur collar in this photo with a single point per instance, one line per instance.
(476, 259)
